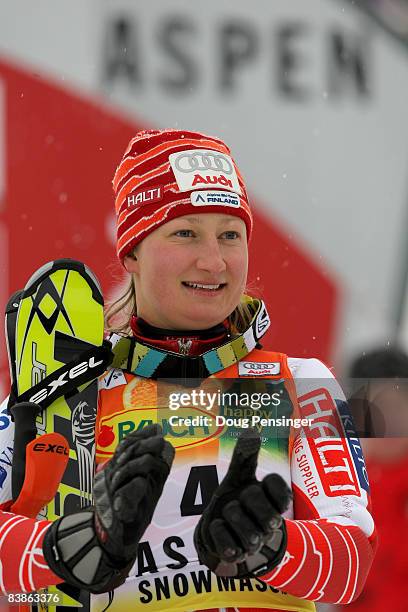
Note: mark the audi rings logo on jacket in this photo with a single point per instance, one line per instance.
(193, 161)
(256, 368)
(249, 365)
(196, 168)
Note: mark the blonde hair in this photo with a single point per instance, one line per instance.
(120, 311)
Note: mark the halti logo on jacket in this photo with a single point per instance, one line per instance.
(327, 443)
(251, 368)
(198, 168)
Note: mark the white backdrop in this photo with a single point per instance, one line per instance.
(324, 149)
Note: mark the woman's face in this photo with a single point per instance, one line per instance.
(191, 272)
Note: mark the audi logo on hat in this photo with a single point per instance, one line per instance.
(191, 161)
(195, 168)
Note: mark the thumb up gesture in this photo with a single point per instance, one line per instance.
(242, 532)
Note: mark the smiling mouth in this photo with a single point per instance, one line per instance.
(204, 287)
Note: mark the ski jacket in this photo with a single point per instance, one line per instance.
(331, 535)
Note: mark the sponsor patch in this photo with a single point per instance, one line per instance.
(328, 444)
(262, 322)
(6, 458)
(3, 476)
(201, 168)
(354, 444)
(250, 368)
(6, 452)
(112, 378)
(4, 419)
(214, 198)
(140, 198)
(115, 427)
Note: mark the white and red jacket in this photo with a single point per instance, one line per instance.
(331, 535)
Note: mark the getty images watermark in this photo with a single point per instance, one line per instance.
(247, 403)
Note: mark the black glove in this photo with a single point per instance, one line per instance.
(95, 549)
(241, 532)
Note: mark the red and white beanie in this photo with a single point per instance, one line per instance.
(166, 174)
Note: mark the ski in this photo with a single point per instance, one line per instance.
(54, 331)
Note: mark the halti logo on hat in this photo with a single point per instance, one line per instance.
(198, 167)
(214, 198)
(149, 196)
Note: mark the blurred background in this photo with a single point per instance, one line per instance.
(312, 98)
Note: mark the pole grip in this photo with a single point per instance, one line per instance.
(24, 416)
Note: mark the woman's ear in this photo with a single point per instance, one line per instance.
(130, 262)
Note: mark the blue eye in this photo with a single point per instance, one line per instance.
(184, 233)
(188, 233)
